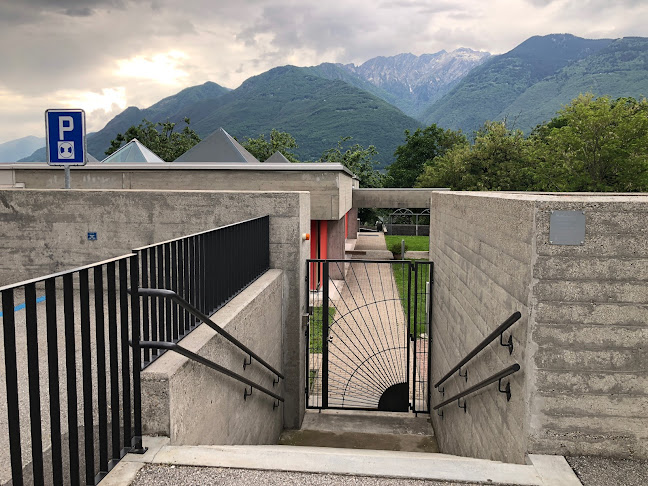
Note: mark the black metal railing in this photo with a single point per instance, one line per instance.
(513, 318)
(186, 306)
(206, 269)
(204, 361)
(491, 379)
(89, 316)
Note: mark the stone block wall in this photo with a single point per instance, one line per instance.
(581, 341)
(590, 331)
(481, 249)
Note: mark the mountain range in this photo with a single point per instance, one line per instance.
(16, 149)
(376, 101)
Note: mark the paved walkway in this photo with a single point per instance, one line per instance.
(371, 241)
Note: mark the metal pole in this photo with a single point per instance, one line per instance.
(67, 176)
(402, 249)
(325, 334)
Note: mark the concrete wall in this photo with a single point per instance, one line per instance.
(481, 248)
(581, 340)
(353, 223)
(330, 185)
(195, 405)
(44, 231)
(590, 331)
(335, 245)
(392, 198)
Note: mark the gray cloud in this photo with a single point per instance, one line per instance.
(79, 11)
(49, 46)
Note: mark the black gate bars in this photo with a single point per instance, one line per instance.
(368, 336)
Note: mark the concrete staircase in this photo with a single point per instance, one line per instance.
(378, 445)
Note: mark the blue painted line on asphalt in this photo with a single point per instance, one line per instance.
(20, 307)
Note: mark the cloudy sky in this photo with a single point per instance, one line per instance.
(105, 55)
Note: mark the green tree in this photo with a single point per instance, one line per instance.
(161, 138)
(497, 161)
(421, 148)
(359, 160)
(262, 149)
(594, 144)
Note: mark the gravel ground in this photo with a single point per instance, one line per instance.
(197, 476)
(601, 471)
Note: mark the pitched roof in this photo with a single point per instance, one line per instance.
(133, 151)
(277, 158)
(220, 146)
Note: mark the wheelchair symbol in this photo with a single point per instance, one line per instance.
(66, 150)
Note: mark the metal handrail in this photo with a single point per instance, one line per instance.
(500, 329)
(210, 364)
(492, 379)
(170, 294)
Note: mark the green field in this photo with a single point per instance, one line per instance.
(414, 243)
(315, 345)
(400, 275)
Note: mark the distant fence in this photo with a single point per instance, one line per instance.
(408, 229)
(93, 309)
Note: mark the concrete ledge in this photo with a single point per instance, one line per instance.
(413, 465)
(122, 474)
(193, 404)
(542, 471)
(554, 470)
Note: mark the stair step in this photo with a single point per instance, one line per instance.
(412, 465)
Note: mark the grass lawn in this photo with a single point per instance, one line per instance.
(315, 345)
(400, 275)
(414, 243)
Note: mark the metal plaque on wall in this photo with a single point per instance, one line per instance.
(567, 228)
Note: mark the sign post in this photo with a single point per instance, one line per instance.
(66, 139)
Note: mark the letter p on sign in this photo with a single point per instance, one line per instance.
(63, 127)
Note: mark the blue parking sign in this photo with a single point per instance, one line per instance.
(66, 137)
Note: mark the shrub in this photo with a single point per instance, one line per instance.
(396, 248)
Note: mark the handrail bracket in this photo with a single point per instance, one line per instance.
(464, 405)
(465, 375)
(506, 390)
(509, 344)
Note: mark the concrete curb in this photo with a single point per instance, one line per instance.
(410, 465)
(554, 470)
(543, 470)
(122, 474)
(125, 471)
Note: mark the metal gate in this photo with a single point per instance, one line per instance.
(368, 337)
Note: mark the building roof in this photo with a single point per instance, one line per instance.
(133, 151)
(277, 158)
(218, 147)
